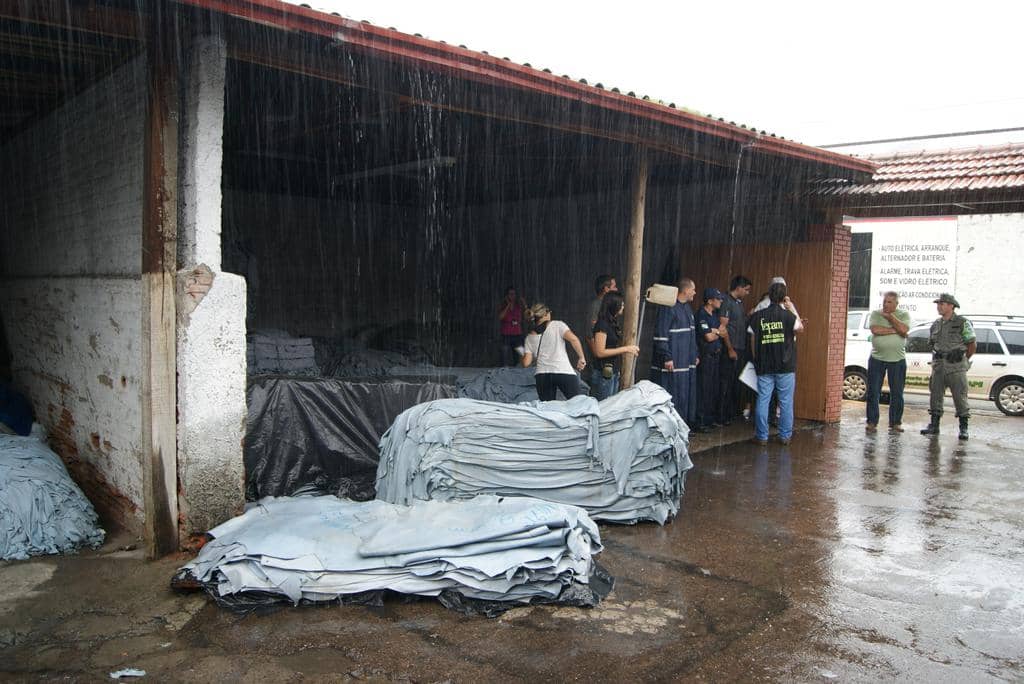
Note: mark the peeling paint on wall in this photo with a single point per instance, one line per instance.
(70, 211)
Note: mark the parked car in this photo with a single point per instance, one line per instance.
(858, 349)
(996, 373)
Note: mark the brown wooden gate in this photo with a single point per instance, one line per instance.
(807, 268)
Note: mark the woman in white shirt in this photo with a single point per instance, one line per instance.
(546, 344)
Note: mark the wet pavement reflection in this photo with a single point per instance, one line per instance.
(901, 555)
(847, 556)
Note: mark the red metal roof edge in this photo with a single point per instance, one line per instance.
(388, 41)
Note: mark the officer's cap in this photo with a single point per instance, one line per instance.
(946, 298)
(712, 293)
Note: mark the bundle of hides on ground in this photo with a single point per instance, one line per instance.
(623, 459)
(316, 549)
(275, 352)
(506, 385)
(41, 509)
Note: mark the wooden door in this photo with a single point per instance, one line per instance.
(807, 268)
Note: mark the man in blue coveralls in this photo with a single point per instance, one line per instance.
(674, 361)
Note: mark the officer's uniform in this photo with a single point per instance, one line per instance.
(948, 340)
(709, 404)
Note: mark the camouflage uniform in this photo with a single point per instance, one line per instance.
(949, 340)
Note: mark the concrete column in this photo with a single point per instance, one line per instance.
(211, 309)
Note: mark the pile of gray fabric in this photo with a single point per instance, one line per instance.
(317, 549)
(505, 385)
(359, 362)
(42, 510)
(622, 460)
(276, 352)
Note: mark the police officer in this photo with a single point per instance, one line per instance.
(953, 343)
(710, 333)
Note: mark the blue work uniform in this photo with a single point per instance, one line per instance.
(709, 402)
(675, 339)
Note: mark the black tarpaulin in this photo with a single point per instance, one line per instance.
(322, 434)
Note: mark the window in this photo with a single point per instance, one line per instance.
(1014, 340)
(917, 342)
(853, 320)
(988, 343)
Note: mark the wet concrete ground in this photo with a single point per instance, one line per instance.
(845, 556)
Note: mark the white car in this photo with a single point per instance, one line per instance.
(996, 373)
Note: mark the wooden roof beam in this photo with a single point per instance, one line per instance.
(77, 16)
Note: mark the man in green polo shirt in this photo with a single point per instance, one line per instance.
(889, 327)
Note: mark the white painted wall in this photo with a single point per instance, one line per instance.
(989, 277)
(211, 336)
(70, 261)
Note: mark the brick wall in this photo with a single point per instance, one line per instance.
(841, 239)
(70, 261)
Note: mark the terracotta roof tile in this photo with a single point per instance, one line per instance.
(979, 168)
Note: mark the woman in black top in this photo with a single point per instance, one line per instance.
(607, 347)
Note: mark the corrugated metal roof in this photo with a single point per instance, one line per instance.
(975, 169)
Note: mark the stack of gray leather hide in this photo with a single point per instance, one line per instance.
(323, 548)
(275, 352)
(42, 510)
(623, 460)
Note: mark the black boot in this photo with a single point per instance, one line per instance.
(963, 427)
(933, 427)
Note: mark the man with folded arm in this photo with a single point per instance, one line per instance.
(889, 328)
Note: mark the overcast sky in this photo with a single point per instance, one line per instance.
(820, 72)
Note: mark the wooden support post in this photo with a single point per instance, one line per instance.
(634, 265)
(159, 254)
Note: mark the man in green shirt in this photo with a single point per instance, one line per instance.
(889, 327)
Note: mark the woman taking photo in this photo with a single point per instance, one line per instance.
(546, 344)
(607, 348)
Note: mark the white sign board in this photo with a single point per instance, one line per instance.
(916, 258)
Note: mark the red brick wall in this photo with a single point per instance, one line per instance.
(837, 326)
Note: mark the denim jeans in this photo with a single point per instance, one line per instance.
(602, 387)
(784, 384)
(897, 372)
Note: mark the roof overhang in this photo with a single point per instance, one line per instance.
(476, 66)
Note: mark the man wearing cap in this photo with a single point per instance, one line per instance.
(766, 300)
(710, 333)
(953, 343)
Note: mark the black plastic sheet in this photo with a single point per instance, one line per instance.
(577, 594)
(322, 434)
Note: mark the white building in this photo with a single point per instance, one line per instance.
(939, 221)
